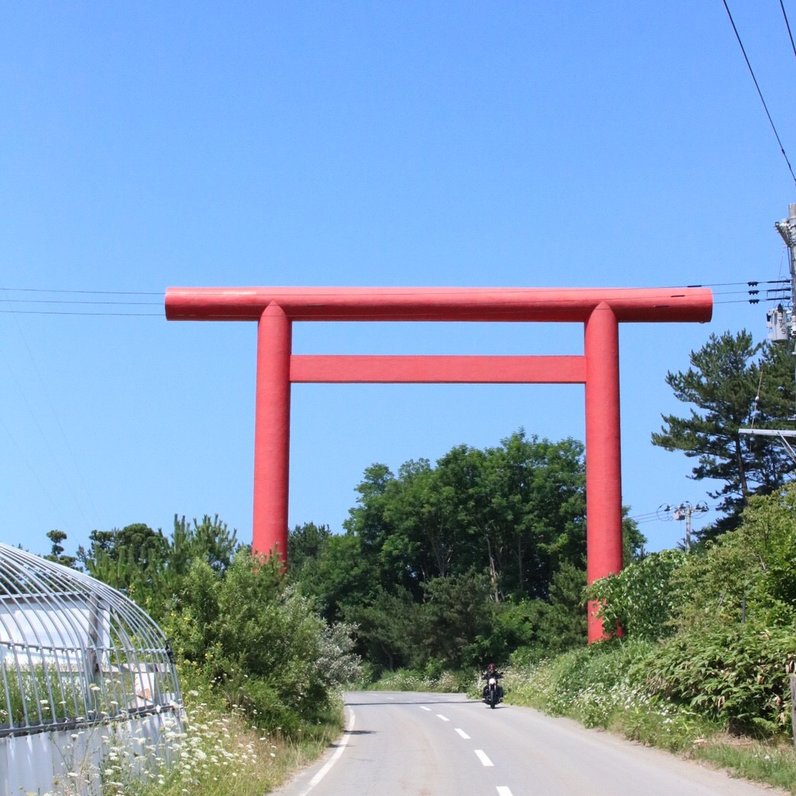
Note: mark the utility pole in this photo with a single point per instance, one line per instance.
(684, 512)
(787, 229)
(782, 323)
(780, 320)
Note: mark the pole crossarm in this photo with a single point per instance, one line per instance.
(782, 433)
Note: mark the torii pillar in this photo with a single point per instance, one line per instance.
(600, 310)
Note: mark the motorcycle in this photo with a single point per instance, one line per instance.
(493, 692)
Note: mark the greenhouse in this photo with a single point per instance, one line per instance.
(85, 674)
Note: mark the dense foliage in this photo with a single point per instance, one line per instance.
(446, 566)
(724, 618)
(481, 556)
(232, 619)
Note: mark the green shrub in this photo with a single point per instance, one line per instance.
(604, 686)
(737, 674)
(642, 598)
(261, 643)
(745, 575)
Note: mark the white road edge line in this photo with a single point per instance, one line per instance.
(503, 790)
(463, 734)
(336, 756)
(481, 755)
(444, 718)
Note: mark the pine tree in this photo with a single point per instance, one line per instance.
(732, 384)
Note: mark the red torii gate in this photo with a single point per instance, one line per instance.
(599, 309)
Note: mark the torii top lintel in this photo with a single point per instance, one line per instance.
(438, 303)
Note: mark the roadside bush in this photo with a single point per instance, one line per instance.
(442, 681)
(604, 686)
(737, 674)
(260, 643)
(746, 575)
(592, 683)
(218, 752)
(643, 597)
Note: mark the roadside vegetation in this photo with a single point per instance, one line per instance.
(261, 671)
(220, 752)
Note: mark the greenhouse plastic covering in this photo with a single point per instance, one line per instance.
(74, 652)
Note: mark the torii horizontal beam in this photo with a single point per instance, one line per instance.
(637, 305)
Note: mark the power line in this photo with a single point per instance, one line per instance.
(787, 25)
(749, 287)
(77, 298)
(161, 294)
(87, 292)
(73, 469)
(759, 91)
(97, 314)
(748, 283)
(642, 518)
(71, 301)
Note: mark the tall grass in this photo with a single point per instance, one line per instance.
(219, 752)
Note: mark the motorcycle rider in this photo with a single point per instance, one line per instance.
(492, 671)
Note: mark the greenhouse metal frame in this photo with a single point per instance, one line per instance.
(79, 662)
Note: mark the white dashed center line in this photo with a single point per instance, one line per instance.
(462, 734)
(444, 718)
(503, 790)
(481, 755)
(423, 707)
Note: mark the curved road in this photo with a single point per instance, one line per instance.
(448, 745)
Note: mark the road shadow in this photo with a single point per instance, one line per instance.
(336, 745)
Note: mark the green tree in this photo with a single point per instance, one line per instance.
(387, 629)
(340, 577)
(458, 622)
(210, 540)
(515, 511)
(129, 559)
(151, 567)
(731, 384)
(467, 558)
(57, 550)
(536, 629)
(305, 544)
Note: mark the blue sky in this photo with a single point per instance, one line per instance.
(148, 145)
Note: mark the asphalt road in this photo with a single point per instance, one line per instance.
(448, 745)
